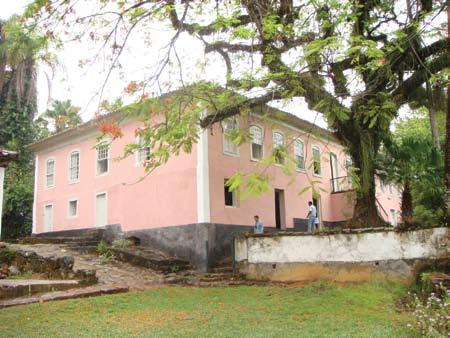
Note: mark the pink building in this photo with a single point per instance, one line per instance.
(184, 207)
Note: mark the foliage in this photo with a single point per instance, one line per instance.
(122, 243)
(7, 255)
(315, 310)
(103, 248)
(356, 62)
(62, 115)
(411, 161)
(431, 317)
(105, 252)
(20, 49)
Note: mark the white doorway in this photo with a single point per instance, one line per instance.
(101, 210)
(394, 217)
(48, 218)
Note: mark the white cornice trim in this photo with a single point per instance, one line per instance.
(36, 176)
(203, 201)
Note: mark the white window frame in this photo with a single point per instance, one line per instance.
(108, 143)
(296, 142)
(382, 186)
(320, 160)
(68, 208)
(224, 139)
(251, 143)
(71, 181)
(274, 132)
(138, 160)
(47, 186)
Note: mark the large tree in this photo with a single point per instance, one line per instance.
(19, 51)
(356, 62)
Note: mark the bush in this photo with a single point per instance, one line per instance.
(431, 315)
(105, 252)
(122, 243)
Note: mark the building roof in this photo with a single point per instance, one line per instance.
(265, 110)
(7, 156)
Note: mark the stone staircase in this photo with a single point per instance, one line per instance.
(151, 258)
(85, 242)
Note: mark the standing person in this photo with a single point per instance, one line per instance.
(312, 214)
(259, 227)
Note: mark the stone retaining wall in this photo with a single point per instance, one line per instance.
(345, 257)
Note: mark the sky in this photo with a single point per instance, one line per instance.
(81, 85)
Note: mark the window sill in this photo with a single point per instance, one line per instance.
(49, 187)
(74, 182)
(231, 206)
(303, 171)
(317, 175)
(231, 154)
(72, 217)
(255, 159)
(101, 175)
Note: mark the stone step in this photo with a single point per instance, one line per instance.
(13, 288)
(222, 269)
(55, 240)
(81, 244)
(85, 249)
(90, 291)
(150, 259)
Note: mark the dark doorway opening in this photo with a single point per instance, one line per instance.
(279, 209)
(316, 202)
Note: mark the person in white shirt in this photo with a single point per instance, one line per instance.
(312, 214)
(259, 227)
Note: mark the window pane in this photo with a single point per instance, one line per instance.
(229, 146)
(278, 140)
(102, 151)
(256, 134)
(102, 158)
(102, 167)
(74, 166)
(257, 151)
(73, 206)
(299, 155)
(316, 161)
(50, 173)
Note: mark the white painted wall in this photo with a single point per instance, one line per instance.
(2, 178)
(364, 247)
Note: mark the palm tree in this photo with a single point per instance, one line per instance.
(408, 163)
(63, 115)
(18, 55)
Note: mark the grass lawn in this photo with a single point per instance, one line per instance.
(317, 310)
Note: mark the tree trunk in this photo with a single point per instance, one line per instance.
(447, 147)
(432, 113)
(407, 206)
(365, 212)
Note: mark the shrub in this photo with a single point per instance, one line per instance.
(122, 243)
(430, 315)
(105, 252)
(103, 248)
(7, 255)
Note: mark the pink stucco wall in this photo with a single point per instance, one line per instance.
(334, 206)
(166, 197)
